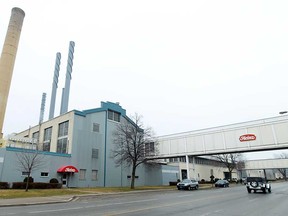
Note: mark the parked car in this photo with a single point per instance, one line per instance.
(258, 183)
(188, 184)
(222, 183)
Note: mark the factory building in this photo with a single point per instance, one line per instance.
(77, 151)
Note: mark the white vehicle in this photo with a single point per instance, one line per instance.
(188, 184)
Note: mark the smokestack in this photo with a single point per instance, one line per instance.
(7, 60)
(54, 85)
(65, 95)
(42, 109)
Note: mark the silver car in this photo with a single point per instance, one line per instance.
(188, 184)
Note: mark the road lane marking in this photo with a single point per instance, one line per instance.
(55, 210)
(92, 206)
(160, 206)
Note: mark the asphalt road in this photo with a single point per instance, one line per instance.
(233, 201)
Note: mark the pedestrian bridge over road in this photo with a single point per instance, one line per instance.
(258, 135)
(266, 164)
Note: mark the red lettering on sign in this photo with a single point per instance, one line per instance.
(247, 137)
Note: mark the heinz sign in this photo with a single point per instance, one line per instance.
(247, 137)
(70, 169)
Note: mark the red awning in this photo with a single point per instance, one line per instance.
(68, 169)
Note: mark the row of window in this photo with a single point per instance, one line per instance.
(114, 116)
(82, 174)
(62, 141)
(198, 160)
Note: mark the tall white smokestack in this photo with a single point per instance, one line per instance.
(7, 60)
(65, 96)
(54, 85)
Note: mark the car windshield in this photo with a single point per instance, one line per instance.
(257, 179)
(186, 181)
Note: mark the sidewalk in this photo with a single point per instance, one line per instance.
(36, 200)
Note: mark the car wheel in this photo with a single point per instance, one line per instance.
(269, 190)
(224, 185)
(189, 187)
(196, 187)
(264, 190)
(249, 190)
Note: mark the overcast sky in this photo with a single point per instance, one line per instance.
(182, 65)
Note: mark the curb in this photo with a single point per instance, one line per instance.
(74, 198)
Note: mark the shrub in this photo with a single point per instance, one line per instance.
(36, 185)
(4, 185)
(19, 185)
(172, 183)
(30, 179)
(54, 181)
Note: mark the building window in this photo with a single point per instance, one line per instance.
(36, 136)
(114, 116)
(62, 142)
(96, 127)
(44, 174)
(47, 139)
(63, 129)
(82, 174)
(24, 173)
(95, 153)
(149, 149)
(94, 176)
(62, 145)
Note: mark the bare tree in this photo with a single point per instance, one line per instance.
(233, 161)
(283, 172)
(133, 145)
(29, 160)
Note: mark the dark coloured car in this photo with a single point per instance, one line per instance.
(257, 183)
(222, 183)
(188, 184)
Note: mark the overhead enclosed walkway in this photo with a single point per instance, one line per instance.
(258, 135)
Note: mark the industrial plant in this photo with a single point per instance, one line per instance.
(76, 145)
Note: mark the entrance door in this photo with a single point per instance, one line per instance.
(184, 173)
(64, 179)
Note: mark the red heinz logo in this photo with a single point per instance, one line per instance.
(247, 137)
(69, 169)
